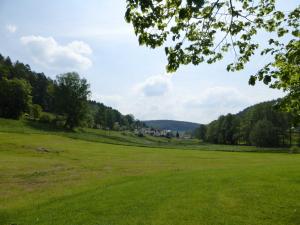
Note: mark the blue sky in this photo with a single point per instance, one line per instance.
(92, 38)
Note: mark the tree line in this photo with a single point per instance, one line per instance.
(259, 125)
(63, 101)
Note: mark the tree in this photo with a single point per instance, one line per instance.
(35, 111)
(286, 67)
(203, 31)
(264, 134)
(89, 120)
(45, 92)
(15, 98)
(200, 132)
(99, 117)
(263, 111)
(228, 129)
(41, 85)
(109, 118)
(212, 132)
(71, 94)
(238, 128)
(129, 119)
(41, 91)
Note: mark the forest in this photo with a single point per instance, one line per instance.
(260, 125)
(61, 102)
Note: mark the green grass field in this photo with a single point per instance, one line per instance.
(98, 178)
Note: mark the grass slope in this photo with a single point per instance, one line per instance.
(50, 178)
(123, 138)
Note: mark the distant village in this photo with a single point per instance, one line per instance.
(155, 132)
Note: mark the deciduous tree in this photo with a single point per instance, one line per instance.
(71, 95)
(197, 31)
(15, 98)
(264, 134)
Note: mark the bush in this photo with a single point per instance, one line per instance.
(59, 121)
(46, 118)
(264, 134)
(294, 149)
(88, 121)
(35, 111)
(140, 134)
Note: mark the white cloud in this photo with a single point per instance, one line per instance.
(46, 52)
(11, 28)
(218, 97)
(154, 86)
(80, 47)
(215, 101)
(115, 33)
(114, 101)
(202, 106)
(158, 98)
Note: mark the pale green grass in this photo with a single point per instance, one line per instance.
(122, 138)
(49, 178)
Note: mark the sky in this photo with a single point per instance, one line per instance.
(92, 38)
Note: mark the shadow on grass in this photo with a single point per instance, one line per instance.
(45, 127)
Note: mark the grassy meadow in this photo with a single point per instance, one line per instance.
(94, 177)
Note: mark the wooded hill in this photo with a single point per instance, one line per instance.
(173, 125)
(260, 125)
(23, 91)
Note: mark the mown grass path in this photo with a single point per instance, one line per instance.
(51, 179)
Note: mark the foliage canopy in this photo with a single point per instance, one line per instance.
(71, 95)
(264, 134)
(14, 98)
(259, 125)
(197, 31)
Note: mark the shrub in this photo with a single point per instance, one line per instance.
(58, 121)
(35, 111)
(46, 118)
(294, 149)
(140, 134)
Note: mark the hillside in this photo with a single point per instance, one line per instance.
(42, 91)
(260, 104)
(125, 138)
(259, 125)
(173, 125)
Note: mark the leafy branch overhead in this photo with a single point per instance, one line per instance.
(196, 31)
